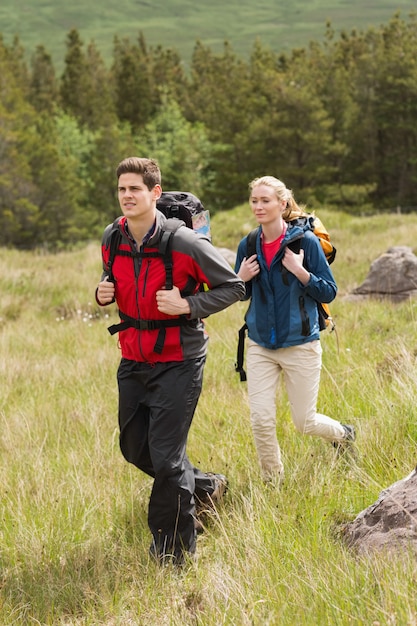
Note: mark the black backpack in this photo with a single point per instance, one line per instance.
(187, 207)
(178, 207)
(325, 318)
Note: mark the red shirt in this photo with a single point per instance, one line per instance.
(271, 248)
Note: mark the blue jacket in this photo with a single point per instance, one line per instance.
(282, 311)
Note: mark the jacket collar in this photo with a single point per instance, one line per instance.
(155, 235)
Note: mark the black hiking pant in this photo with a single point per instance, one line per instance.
(156, 408)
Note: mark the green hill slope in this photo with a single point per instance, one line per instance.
(179, 23)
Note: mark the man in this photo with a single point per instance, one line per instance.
(163, 344)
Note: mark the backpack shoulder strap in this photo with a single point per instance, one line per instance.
(111, 239)
(251, 242)
(165, 248)
(240, 355)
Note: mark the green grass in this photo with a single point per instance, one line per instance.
(179, 23)
(73, 534)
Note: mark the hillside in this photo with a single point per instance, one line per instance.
(179, 23)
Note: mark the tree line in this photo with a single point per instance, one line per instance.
(336, 120)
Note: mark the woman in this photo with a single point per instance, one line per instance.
(283, 326)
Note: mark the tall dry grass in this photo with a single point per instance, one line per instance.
(74, 537)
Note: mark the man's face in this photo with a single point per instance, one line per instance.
(135, 199)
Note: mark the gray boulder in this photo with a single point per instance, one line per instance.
(393, 275)
(229, 255)
(390, 524)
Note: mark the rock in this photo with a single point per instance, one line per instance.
(390, 524)
(228, 255)
(392, 275)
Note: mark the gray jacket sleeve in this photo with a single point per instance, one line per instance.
(210, 267)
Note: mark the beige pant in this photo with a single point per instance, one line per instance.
(301, 366)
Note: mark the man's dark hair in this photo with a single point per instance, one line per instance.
(147, 168)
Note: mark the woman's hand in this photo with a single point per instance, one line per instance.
(249, 268)
(294, 263)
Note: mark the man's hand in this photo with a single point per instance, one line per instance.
(105, 291)
(170, 302)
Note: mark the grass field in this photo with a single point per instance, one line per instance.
(73, 534)
(179, 23)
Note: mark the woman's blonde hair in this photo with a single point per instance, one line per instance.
(293, 210)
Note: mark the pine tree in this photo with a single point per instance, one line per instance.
(44, 91)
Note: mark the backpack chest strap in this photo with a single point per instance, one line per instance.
(141, 324)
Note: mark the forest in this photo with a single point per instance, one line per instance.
(336, 120)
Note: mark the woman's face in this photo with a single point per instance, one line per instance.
(265, 205)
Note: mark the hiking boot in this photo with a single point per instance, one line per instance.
(348, 438)
(274, 481)
(209, 502)
(350, 434)
(198, 525)
(166, 559)
(220, 488)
